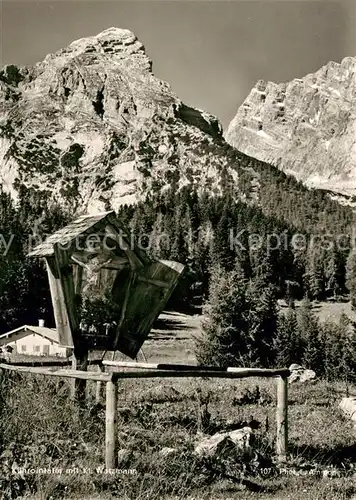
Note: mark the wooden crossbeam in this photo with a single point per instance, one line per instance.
(49, 362)
(74, 374)
(160, 284)
(151, 371)
(243, 372)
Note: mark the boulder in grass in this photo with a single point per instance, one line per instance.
(348, 406)
(295, 367)
(222, 442)
(300, 374)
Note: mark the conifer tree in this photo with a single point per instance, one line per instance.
(179, 246)
(351, 276)
(314, 273)
(348, 336)
(202, 255)
(262, 319)
(242, 251)
(312, 338)
(340, 349)
(287, 342)
(222, 251)
(224, 340)
(333, 337)
(239, 322)
(159, 239)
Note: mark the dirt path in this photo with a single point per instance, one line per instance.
(172, 338)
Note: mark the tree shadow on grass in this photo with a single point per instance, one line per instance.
(170, 324)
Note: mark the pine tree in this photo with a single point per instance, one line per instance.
(334, 272)
(181, 237)
(340, 348)
(348, 338)
(202, 256)
(222, 252)
(189, 234)
(159, 239)
(240, 320)
(312, 338)
(333, 336)
(242, 259)
(351, 276)
(287, 342)
(314, 273)
(224, 340)
(262, 303)
(265, 265)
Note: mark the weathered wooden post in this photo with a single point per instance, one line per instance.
(99, 387)
(80, 352)
(79, 386)
(282, 419)
(111, 424)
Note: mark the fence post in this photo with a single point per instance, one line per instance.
(111, 425)
(98, 389)
(282, 419)
(79, 362)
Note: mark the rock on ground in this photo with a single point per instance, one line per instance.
(348, 406)
(238, 440)
(123, 455)
(300, 374)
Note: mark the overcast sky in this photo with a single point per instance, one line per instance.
(211, 52)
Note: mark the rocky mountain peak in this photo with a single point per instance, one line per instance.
(306, 127)
(120, 45)
(92, 127)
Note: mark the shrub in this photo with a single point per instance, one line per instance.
(327, 348)
(240, 328)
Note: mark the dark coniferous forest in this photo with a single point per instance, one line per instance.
(255, 238)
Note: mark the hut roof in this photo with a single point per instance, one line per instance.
(48, 333)
(68, 233)
(85, 224)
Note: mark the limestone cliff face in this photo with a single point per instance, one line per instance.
(306, 127)
(92, 126)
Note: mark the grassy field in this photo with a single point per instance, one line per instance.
(42, 430)
(172, 336)
(326, 311)
(171, 339)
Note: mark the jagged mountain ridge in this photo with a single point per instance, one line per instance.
(306, 127)
(93, 128)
